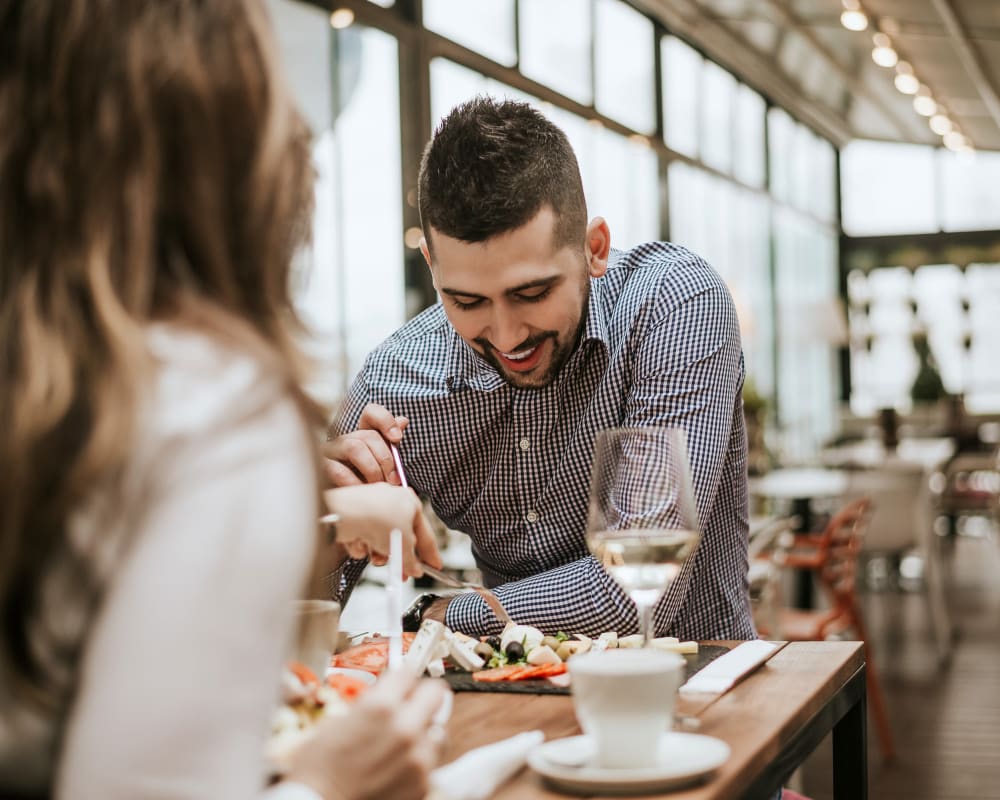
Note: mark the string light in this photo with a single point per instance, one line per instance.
(954, 140)
(852, 17)
(341, 18)
(883, 54)
(940, 124)
(906, 82)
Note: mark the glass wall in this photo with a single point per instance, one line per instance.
(891, 189)
(698, 173)
(356, 242)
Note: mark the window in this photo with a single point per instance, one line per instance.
(357, 229)
(555, 42)
(623, 69)
(748, 159)
(718, 104)
(487, 28)
(682, 68)
(887, 188)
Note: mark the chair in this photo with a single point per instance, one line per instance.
(901, 522)
(832, 557)
(970, 486)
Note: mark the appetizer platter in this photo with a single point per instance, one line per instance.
(521, 659)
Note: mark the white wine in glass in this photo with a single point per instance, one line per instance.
(643, 523)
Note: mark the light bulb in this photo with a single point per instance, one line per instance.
(954, 140)
(923, 103)
(885, 56)
(854, 20)
(907, 84)
(940, 124)
(341, 18)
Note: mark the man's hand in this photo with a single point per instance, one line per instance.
(437, 610)
(364, 456)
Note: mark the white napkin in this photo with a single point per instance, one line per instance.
(718, 676)
(480, 772)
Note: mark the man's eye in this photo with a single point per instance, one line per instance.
(465, 306)
(533, 298)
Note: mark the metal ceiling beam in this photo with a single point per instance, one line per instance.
(968, 56)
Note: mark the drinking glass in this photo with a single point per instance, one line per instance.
(642, 524)
(318, 624)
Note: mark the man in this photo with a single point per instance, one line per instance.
(544, 336)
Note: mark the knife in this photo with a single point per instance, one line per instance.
(488, 597)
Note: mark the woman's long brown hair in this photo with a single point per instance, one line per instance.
(152, 167)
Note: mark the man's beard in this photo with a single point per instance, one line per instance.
(561, 351)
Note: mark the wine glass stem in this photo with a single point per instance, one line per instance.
(646, 622)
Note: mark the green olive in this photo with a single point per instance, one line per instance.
(552, 642)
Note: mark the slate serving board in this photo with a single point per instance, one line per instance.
(463, 682)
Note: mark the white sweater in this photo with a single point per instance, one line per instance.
(199, 555)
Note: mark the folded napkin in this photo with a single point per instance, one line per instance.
(718, 676)
(480, 772)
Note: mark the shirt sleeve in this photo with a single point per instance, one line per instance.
(181, 671)
(688, 371)
(341, 583)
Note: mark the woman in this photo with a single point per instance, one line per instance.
(160, 487)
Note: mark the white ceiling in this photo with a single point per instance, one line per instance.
(797, 52)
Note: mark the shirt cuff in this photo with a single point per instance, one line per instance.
(289, 790)
(469, 614)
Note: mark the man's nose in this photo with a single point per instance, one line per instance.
(507, 331)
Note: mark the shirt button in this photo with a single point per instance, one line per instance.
(524, 444)
(531, 516)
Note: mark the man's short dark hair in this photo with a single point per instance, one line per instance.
(491, 166)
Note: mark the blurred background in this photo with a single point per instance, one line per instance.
(838, 162)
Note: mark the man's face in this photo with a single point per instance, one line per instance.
(516, 300)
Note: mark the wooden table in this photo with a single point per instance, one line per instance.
(772, 721)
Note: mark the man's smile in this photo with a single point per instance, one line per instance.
(521, 360)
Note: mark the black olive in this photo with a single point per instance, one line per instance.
(515, 651)
(494, 642)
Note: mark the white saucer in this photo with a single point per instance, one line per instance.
(685, 758)
(360, 674)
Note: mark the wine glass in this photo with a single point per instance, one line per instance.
(642, 524)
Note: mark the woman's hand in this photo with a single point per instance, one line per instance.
(369, 512)
(385, 746)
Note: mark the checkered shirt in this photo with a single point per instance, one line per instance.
(511, 467)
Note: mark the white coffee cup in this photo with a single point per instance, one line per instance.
(318, 623)
(624, 701)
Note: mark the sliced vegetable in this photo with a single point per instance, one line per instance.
(303, 673)
(347, 686)
(371, 655)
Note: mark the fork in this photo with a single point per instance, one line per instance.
(488, 597)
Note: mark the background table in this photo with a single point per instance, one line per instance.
(772, 721)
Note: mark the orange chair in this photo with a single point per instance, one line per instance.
(832, 556)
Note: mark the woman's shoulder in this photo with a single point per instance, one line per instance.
(201, 383)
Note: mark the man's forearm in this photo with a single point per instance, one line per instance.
(578, 597)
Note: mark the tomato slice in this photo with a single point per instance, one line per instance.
(497, 673)
(347, 686)
(303, 673)
(371, 655)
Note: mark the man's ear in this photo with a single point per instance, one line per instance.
(425, 250)
(598, 246)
